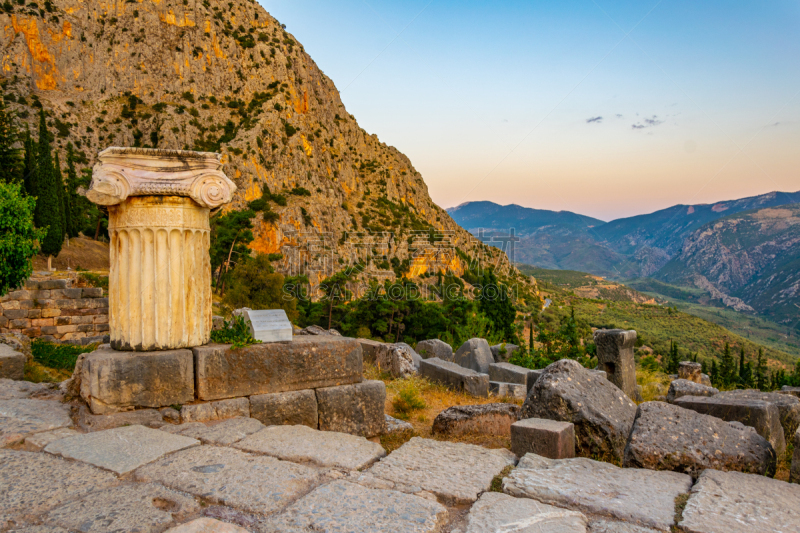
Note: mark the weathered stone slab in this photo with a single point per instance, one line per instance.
(788, 406)
(269, 325)
(286, 408)
(120, 450)
(20, 417)
(435, 348)
(132, 507)
(503, 352)
(206, 525)
(690, 371)
(394, 425)
(355, 409)
(308, 362)
(112, 380)
(793, 391)
(223, 433)
(602, 413)
(669, 437)
(508, 373)
(12, 389)
(395, 359)
(456, 473)
(32, 483)
(369, 348)
(615, 358)
(301, 444)
(733, 502)
(487, 418)
(474, 354)
(495, 512)
(344, 506)
(642, 497)
(142, 417)
(612, 526)
(455, 377)
(253, 483)
(548, 438)
(683, 387)
(761, 415)
(38, 441)
(12, 363)
(794, 475)
(508, 390)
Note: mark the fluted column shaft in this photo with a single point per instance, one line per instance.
(160, 273)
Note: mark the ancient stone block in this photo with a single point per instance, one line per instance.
(197, 412)
(733, 502)
(142, 417)
(503, 352)
(602, 413)
(455, 376)
(683, 387)
(788, 406)
(15, 313)
(301, 444)
(305, 363)
(286, 408)
(396, 360)
(508, 373)
(615, 357)
(793, 391)
(54, 284)
(474, 354)
(761, 415)
(12, 363)
(669, 437)
(369, 348)
(487, 418)
(690, 371)
(495, 512)
(435, 348)
(91, 292)
(112, 380)
(356, 409)
(508, 390)
(548, 438)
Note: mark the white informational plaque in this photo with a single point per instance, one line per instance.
(269, 325)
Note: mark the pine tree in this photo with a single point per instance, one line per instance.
(48, 207)
(10, 156)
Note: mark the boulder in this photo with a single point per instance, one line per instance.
(410, 351)
(395, 359)
(690, 371)
(602, 413)
(705, 380)
(788, 406)
(669, 437)
(548, 438)
(615, 357)
(503, 352)
(487, 418)
(475, 354)
(455, 377)
(394, 425)
(761, 415)
(435, 348)
(684, 387)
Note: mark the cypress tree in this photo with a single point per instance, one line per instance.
(727, 370)
(72, 199)
(48, 207)
(713, 375)
(762, 380)
(741, 363)
(29, 164)
(62, 197)
(10, 157)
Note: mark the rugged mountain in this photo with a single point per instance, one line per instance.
(752, 259)
(228, 77)
(476, 215)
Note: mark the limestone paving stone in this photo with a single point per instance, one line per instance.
(548, 438)
(487, 418)
(37, 441)
(683, 387)
(32, 483)
(223, 433)
(455, 472)
(733, 502)
(669, 437)
(475, 354)
(612, 526)
(286, 408)
(495, 512)
(12, 389)
(344, 506)
(301, 444)
(642, 497)
(307, 362)
(176, 429)
(139, 507)
(435, 348)
(357, 409)
(39, 529)
(253, 483)
(120, 450)
(206, 525)
(455, 377)
(759, 414)
(19, 417)
(602, 413)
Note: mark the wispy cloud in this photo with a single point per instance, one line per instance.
(648, 123)
(594, 119)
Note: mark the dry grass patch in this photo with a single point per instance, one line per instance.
(37, 373)
(654, 384)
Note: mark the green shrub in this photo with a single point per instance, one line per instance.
(61, 356)
(407, 400)
(95, 280)
(236, 332)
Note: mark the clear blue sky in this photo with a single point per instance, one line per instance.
(699, 101)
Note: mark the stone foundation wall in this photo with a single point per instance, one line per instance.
(55, 311)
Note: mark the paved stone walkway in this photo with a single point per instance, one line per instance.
(237, 476)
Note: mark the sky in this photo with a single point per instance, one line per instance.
(605, 108)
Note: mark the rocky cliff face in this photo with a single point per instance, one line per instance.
(227, 77)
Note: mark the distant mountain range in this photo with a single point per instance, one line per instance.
(745, 253)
